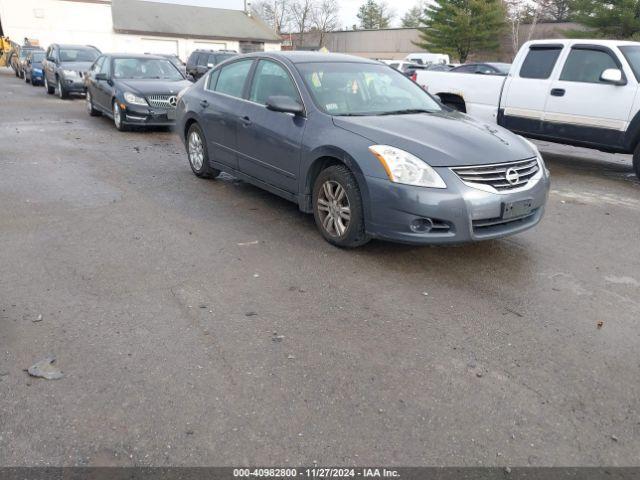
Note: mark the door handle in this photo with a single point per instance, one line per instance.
(558, 92)
(204, 103)
(246, 121)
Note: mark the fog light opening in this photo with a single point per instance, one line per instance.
(421, 225)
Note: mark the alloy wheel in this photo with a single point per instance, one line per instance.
(334, 208)
(117, 115)
(60, 94)
(196, 151)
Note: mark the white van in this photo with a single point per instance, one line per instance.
(428, 58)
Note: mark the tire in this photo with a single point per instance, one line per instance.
(117, 117)
(62, 93)
(48, 88)
(90, 108)
(198, 154)
(636, 161)
(334, 190)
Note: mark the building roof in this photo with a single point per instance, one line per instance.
(155, 18)
(300, 56)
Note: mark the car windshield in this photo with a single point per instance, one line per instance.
(364, 89)
(37, 57)
(78, 55)
(632, 54)
(145, 68)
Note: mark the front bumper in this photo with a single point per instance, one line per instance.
(457, 214)
(73, 85)
(148, 116)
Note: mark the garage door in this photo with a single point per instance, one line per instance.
(209, 45)
(159, 46)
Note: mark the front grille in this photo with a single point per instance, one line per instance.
(162, 101)
(500, 176)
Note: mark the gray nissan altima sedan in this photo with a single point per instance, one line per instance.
(363, 148)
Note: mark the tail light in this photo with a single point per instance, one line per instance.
(414, 77)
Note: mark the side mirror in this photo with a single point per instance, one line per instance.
(102, 77)
(281, 103)
(210, 65)
(613, 76)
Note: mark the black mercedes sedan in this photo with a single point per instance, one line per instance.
(134, 90)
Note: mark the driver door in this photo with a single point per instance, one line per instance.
(580, 106)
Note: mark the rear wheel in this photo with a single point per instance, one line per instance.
(48, 88)
(90, 108)
(636, 161)
(198, 153)
(337, 207)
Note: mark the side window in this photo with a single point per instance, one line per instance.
(106, 66)
(232, 78)
(486, 69)
(202, 59)
(586, 66)
(213, 79)
(213, 59)
(271, 80)
(539, 62)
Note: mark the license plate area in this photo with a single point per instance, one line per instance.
(171, 115)
(516, 209)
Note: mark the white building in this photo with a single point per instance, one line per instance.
(135, 26)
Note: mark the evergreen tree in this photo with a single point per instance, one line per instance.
(462, 27)
(373, 15)
(618, 19)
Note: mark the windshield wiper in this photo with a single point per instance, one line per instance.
(407, 111)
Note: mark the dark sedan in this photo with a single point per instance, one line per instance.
(484, 68)
(134, 90)
(363, 148)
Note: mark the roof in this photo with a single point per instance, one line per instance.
(300, 56)
(137, 16)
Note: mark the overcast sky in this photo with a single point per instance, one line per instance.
(348, 8)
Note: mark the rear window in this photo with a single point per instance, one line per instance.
(540, 62)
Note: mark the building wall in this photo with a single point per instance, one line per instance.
(90, 22)
(397, 43)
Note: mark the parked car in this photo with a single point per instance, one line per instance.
(22, 59)
(576, 92)
(363, 148)
(179, 64)
(33, 67)
(201, 61)
(134, 90)
(424, 58)
(65, 67)
(441, 67)
(495, 68)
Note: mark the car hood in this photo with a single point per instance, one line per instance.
(76, 66)
(443, 139)
(151, 86)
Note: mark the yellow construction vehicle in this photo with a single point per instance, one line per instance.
(8, 50)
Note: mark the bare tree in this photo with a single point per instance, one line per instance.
(325, 18)
(301, 13)
(276, 13)
(519, 12)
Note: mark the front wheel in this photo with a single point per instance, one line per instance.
(62, 93)
(48, 88)
(118, 121)
(636, 161)
(198, 153)
(337, 207)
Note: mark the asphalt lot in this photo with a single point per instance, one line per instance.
(183, 342)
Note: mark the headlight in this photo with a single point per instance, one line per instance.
(402, 167)
(69, 73)
(538, 154)
(134, 99)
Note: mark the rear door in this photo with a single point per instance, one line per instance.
(581, 107)
(269, 142)
(222, 108)
(526, 91)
